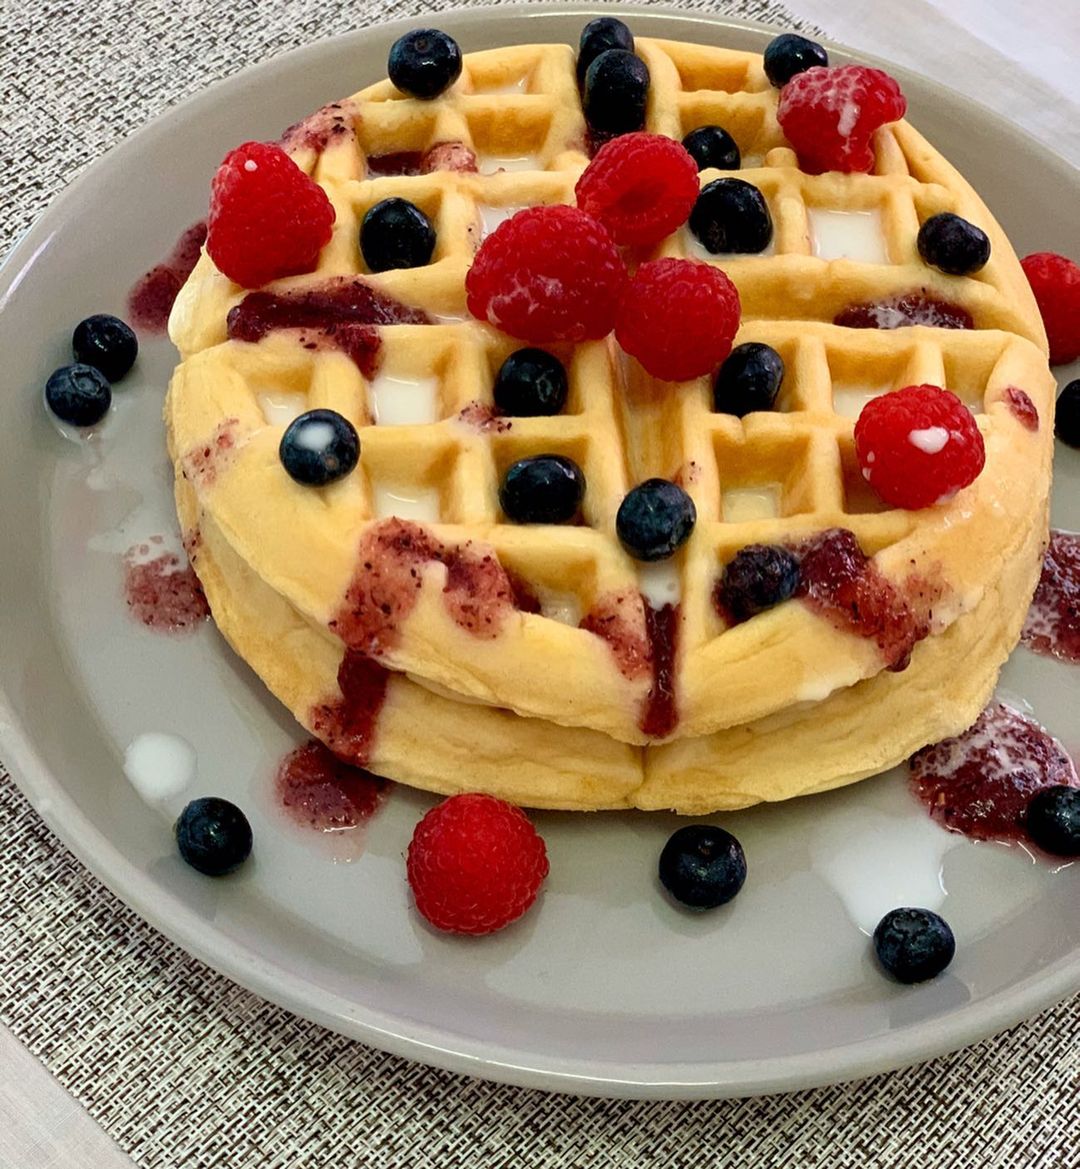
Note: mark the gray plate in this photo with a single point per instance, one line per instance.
(604, 988)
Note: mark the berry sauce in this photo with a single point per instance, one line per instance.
(840, 582)
(1053, 621)
(659, 718)
(1022, 407)
(449, 156)
(201, 465)
(483, 418)
(912, 309)
(315, 132)
(619, 618)
(347, 723)
(402, 162)
(162, 592)
(980, 783)
(151, 299)
(339, 315)
(319, 791)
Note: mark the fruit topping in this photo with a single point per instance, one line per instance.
(913, 308)
(789, 54)
(678, 318)
(1067, 415)
(599, 35)
(918, 446)
(213, 836)
(616, 92)
(913, 945)
(756, 578)
(547, 274)
(424, 63)
(1053, 621)
(830, 115)
(1021, 407)
(319, 447)
(106, 343)
(1055, 281)
(713, 146)
(267, 218)
(396, 234)
(1053, 820)
(749, 380)
(731, 215)
(702, 866)
(79, 395)
(953, 244)
(151, 299)
(531, 383)
(640, 186)
(655, 519)
(543, 489)
(475, 864)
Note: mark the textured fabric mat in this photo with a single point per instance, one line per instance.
(181, 1067)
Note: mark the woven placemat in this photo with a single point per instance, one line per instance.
(181, 1067)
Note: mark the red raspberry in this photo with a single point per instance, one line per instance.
(830, 114)
(640, 186)
(918, 446)
(267, 218)
(1056, 284)
(475, 864)
(547, 274)
(678, 318)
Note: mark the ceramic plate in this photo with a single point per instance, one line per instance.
(605, 987)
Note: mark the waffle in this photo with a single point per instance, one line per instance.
(464, 654)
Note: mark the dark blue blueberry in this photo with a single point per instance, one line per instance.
(702, 866)
(748, 380)
(655, 519)
(953, 244)
(756, 578)
(213, 836)
(1067, 415)
(543, 489)
(1053, 820)
(599, 35)
(616, 91)
(424, 63)
(530, 384)
(913, 944)
(731, 215)
(106, 343)
(396, 234)
(790, 54)
(319, 447)
(713, 146)
(78, 394)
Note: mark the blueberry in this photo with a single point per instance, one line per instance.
(757, 577)
(731, 215)
(78, 394)
(599, 35)
(213, 836)
(616, 90)
(319, 447)
(654, 519)
(953, 244)
(106, 343)
(1067, 414)
(530, 384)
(424, 63)
(396, 234)
(789, 54)
(1053, 820)
(748, 380)
(543, 489)
(702, 867)
(712, 146)
(913, 944)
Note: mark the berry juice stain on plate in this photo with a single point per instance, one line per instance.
(151, 299)
(162, 591)
(1053, 622)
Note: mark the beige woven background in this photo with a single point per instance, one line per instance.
(183, 1068)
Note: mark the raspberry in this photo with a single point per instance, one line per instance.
(267, 218)
(829, 115)
(547, 274)
(918, 446)
(475, 864)
(640, 186)
(1056, 284)
(678, 318)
